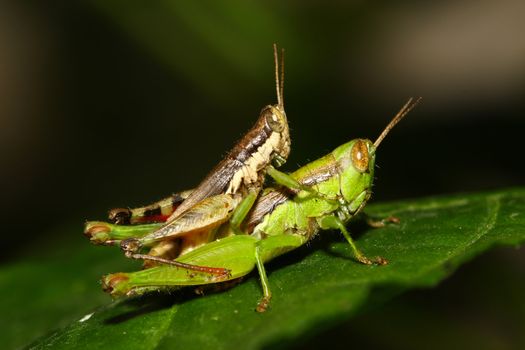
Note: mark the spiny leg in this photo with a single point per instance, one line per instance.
(333, 222)
(219, 272)
(169, 249)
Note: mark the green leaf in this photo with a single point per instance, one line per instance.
(314, 287)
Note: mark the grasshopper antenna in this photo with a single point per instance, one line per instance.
(411, 103)
(279, 81)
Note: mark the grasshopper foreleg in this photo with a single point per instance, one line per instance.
(289, 182)
(333, 222)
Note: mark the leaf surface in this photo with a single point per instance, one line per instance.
(313, 287)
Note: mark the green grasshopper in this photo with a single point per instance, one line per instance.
(226, 195)
(333, 189)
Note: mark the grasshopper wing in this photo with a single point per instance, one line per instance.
(205, 215)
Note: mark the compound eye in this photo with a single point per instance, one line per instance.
(360, 156)
(275, 120)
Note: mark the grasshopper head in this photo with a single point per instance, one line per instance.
(276, 120)
(356, 161)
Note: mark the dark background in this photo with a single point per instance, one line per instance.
(118, 103)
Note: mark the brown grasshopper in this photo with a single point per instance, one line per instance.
(226, 194)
